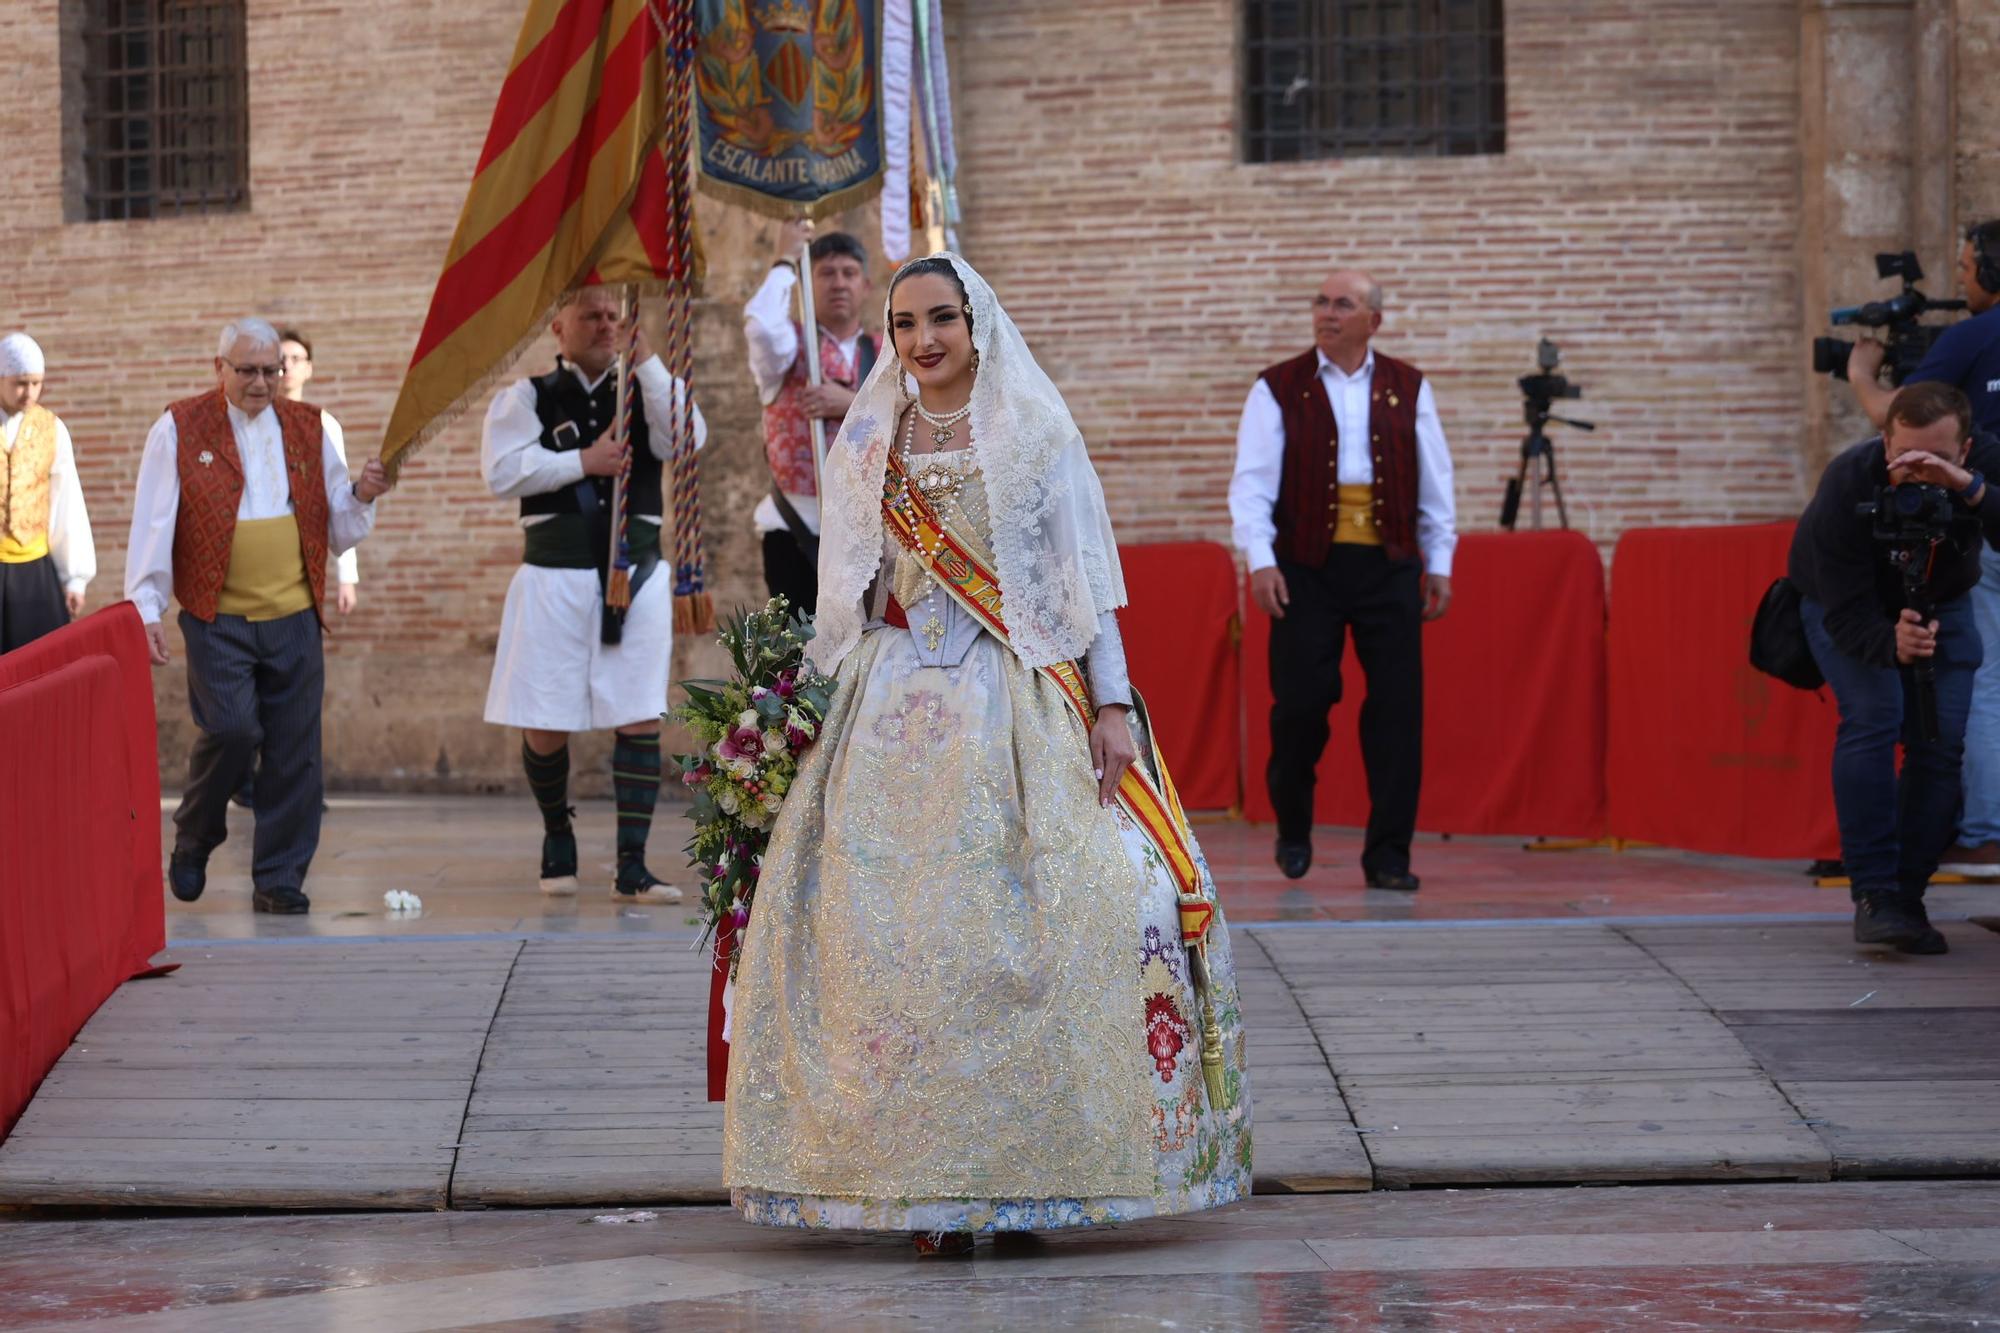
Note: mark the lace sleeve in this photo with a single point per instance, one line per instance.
(1105, 662)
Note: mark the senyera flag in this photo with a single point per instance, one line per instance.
(573, 187)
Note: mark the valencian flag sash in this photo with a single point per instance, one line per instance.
(571, 188)
(1154, 807)
(788, 103)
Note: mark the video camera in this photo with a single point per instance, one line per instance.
(1907, 341)
(1540, 391)
(1909, 514)
(1912, 519)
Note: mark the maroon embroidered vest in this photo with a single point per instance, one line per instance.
(787, 428)
(211, 480)
(1308, 493)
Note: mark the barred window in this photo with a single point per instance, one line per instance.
(164, 124)
(1373, 78)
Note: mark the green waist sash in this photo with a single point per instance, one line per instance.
(581, 541)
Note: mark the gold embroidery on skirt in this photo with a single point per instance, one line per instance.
(936, 997)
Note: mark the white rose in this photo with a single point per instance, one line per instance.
(772, 801)
(729, 803)
(774, 742)
(747, 718)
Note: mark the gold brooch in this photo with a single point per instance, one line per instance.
(1393, 400)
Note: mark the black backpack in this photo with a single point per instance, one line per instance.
(1778, 644)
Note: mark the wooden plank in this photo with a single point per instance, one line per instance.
(1885, 1044)
(266, 1076)
(1922, 1127)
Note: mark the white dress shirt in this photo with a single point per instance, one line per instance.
(774, 345)
(346, 565)
(260, 446)
(1260, 459)
(70, 544)
(514, 463)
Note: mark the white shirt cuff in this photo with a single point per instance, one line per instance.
(1260, 556)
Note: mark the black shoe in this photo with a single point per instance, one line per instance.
(187, 875)
(1400, 880)
(281, 901)
(1897, 919)
(1294, 858)
(636, 884)
(1929, 940)
(559, 864)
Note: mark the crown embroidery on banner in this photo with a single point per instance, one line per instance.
(785, 16)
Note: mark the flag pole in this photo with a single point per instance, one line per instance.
(809, 348)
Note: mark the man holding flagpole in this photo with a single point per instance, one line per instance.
(566, 661)
(795, 398)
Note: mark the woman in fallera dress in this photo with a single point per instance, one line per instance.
(963, 1002)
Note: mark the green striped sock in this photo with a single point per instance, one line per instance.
(635, 780)
(548, 779)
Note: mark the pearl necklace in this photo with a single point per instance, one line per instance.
(941, 426)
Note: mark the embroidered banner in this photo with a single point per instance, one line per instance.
(787, 103)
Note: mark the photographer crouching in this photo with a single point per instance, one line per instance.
(1883, 558)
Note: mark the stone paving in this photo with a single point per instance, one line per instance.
(1870, 1255)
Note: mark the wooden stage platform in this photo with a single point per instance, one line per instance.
(494, 1070)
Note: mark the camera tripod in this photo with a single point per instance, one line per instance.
(1537, 471)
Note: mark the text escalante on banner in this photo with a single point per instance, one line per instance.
(788, 103)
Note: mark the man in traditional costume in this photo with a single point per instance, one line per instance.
(47, 558)
(787, 519)
(565, 662)
(241, 495)
(297, 360)
(1343, 509)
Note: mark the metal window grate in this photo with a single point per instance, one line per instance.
(165, 108)
(1373, 78)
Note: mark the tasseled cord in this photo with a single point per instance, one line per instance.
(1211, 1032)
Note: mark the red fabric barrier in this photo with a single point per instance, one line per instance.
(81, 909)
(1514, 698)
(1706, 752)
(1180, 635)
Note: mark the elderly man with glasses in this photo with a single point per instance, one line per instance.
(241, 496)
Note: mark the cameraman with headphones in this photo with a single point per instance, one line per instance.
(1966, 355)
(1871, 647)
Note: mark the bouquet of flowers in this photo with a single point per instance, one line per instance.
(752, 729)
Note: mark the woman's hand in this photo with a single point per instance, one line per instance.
(1112, 750)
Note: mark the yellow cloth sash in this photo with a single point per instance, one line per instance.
(267, 571)
(20, 553)
(1354, 517)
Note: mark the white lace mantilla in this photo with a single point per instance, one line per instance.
(1057, 560)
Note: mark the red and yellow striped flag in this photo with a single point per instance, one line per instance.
(571, 188)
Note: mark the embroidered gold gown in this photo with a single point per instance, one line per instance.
(962, 1002)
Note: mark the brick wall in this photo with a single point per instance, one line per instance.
(1645, 216)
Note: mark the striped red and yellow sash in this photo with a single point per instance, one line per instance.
(1155, 808)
